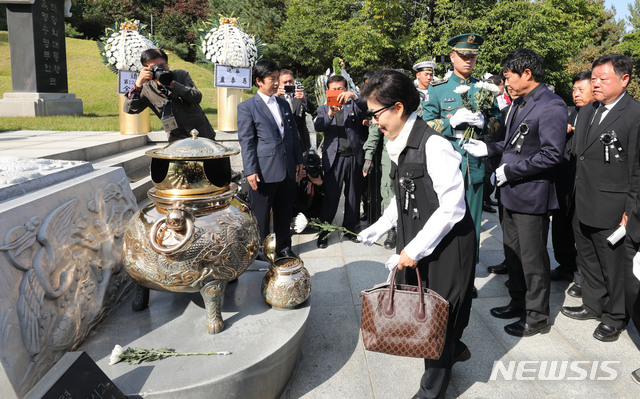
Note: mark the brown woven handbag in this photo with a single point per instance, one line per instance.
(404, 320)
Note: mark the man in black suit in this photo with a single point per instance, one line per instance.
(533, 146)
(342, 156)
(271, 155)
(299, 103)
(606, 186)
(564, 244)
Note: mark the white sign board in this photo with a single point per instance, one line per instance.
(126, 80)
(232, 77)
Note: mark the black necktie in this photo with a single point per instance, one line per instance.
(595, 121)
(517, 111)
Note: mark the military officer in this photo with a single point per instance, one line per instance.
(444, 111)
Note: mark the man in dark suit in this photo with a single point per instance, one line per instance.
(533, 146)
(342, 156)
(299, 103)
(605, 190)
(271, 155)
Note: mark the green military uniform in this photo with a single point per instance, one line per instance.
(369, 147)
(441, 105)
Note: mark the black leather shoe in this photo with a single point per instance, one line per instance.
(522, 329)
(261, 256)
(285, 253)
(507, 312)
(487, 208)
(578, 313)
(390, 242)
(364, 216)
(323, 240)
(635, 376)
(506, 283)
(606, 333)
(492, 202)
(462, 353)
(500, 268)
(575, 290)
(561, 273)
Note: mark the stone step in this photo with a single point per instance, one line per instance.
(96, 147)
(136, 165)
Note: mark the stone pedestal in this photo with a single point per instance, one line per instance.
(60, 269)
(264, 345)
(228, 100)
(133, 123)
(40, 104)
(38, 61)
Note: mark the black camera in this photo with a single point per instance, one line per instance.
(312, 163)
(162, 76)
(289, 89)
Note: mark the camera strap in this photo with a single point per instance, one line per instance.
(169, 122)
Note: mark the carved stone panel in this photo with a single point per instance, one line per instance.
(60, 270)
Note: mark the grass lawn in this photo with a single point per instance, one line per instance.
(90, 80)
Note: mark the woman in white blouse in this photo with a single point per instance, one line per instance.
(435, 231)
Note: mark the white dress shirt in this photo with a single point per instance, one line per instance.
(272, 104)
(608, 107)
(443, 166)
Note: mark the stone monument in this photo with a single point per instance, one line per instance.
(38, 60)
(60, 261)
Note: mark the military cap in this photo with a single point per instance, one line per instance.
(424, 66)
(467, 44)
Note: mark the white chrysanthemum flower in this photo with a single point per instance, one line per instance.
(300, 223)
(461, 89)
(492, 88)
(229, 45)
(115, 355)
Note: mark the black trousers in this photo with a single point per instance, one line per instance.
(564, 244)
(278, 197)
(603, 271)
(449, 271)
(525, 244)
(346, 172)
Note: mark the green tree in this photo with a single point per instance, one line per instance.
(262, 18)
(634, 14)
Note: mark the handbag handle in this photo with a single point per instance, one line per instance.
(388, 308)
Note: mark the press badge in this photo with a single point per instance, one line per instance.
(169, 123)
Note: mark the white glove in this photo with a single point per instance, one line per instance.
(502, 179)
(464, 115)
(636, 265)
(374, 232)
(476, 148)
(461, 116)
(477, 120)
(391, 264)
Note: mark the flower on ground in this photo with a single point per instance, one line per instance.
(300, 223)
(115, 355)
(138, 355)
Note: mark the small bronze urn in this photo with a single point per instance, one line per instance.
(196, 235)
(286, 284)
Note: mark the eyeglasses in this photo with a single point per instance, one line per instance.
(376, 114)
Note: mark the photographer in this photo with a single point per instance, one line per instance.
(310, 188)
(299, 103)
(172, 95)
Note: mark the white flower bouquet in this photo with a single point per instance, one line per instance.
(122, 45)
(227, 44)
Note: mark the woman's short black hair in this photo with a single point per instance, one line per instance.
(388, 86)
(264, 68)
(152, 54)
(521, 59)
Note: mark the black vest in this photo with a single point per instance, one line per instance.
(412, 173)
